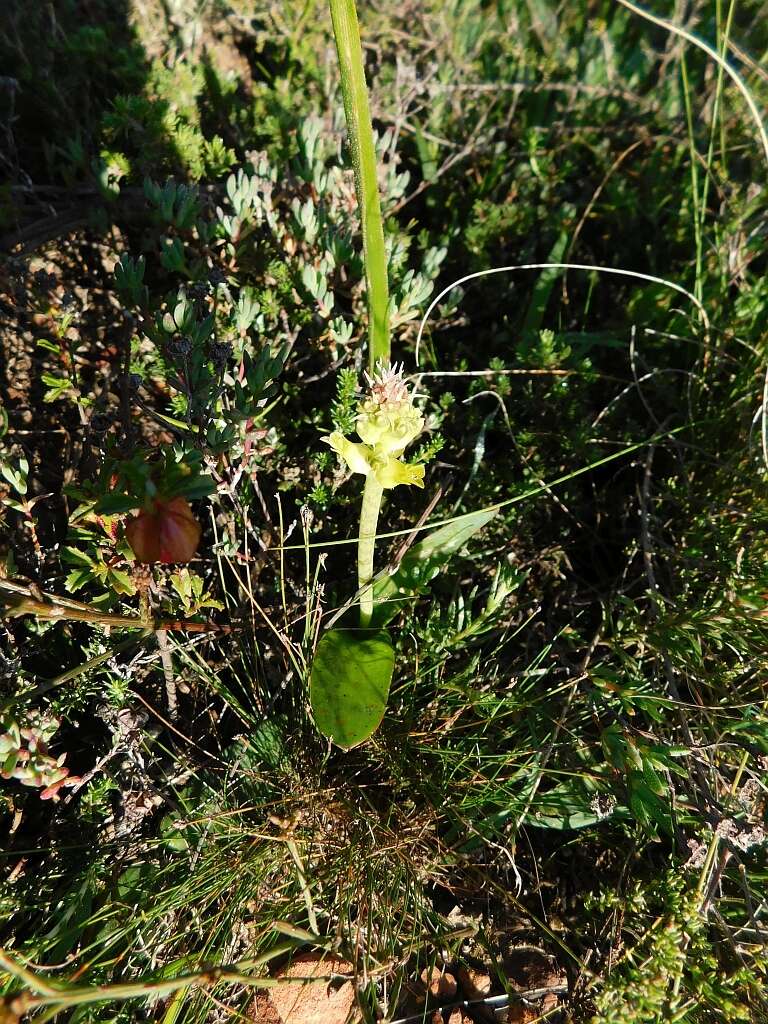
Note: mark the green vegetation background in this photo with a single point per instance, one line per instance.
(577, 741)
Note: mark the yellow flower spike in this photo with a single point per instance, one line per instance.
(387, 422)
(390, 428)
(387, 419)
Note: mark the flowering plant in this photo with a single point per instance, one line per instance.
(387, 422)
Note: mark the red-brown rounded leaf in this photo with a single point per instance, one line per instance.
(168, 532)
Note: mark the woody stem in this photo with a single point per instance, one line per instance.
(369, 517)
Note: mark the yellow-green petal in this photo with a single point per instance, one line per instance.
(357, 456)
(390, 472)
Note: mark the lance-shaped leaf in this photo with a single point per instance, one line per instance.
(422, 563)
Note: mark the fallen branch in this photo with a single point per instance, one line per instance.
(27, 599)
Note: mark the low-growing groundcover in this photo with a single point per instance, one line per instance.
(571, 768)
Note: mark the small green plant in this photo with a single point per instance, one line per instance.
(24, 754)
(352, 669)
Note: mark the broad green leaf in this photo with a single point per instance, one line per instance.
(113, 504)
(77, 579)
(569, 805)
(349, 683)
(121, 582)
(562, 819)
(196, 487)
(422, 563)
(74, 556)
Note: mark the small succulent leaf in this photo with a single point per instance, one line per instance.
(349, 683)
(7, 743)
(9, 765)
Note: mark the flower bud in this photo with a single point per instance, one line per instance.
(166, 532)
(387, 419)
(389, 428)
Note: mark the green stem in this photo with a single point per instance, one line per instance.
(369, 518)
(347, 34)
(697, 219)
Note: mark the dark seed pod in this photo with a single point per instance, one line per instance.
(220, 353)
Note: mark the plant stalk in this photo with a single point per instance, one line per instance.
(350, 52)
(369, 518)
(18, 599)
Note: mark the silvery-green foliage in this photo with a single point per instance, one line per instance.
(247, 311)
(415, 288)
(249, 196)
(305, 217)
(341, 331)
(313, 153)
(172, 255)
(394, 182)
(316, 283)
